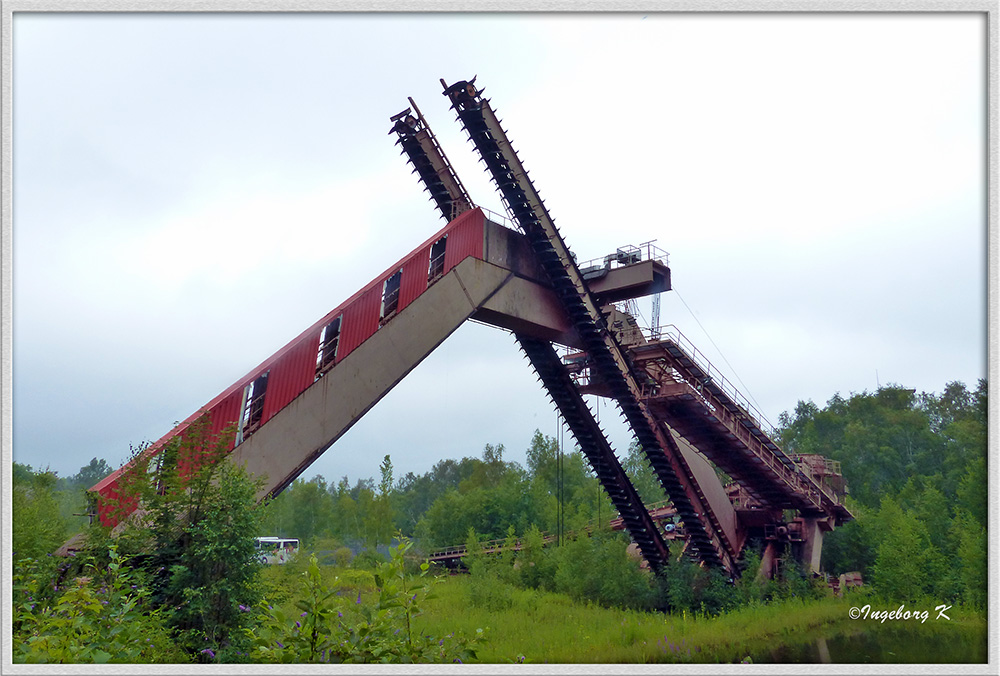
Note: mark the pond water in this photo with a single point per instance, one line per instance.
(885, 644)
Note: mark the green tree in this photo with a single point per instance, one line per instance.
(905, 559)
(642, 475)
(37, 525)
(91, 473)
(379, 522)
(969, 540)
(309, 509)
(195, 523)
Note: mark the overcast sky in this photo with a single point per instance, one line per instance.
(193, 191)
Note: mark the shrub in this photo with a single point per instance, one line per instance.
(102, 617)
(37, 526)
(197, 536)
(598, 568)
(368, 559)
(336, 629)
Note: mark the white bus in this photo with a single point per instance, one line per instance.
(272, 550)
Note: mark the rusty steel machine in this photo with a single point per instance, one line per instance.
(688, 420)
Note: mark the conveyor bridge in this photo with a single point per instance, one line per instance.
(296, 404)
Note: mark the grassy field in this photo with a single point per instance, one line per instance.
(544, 627)
(551, 628)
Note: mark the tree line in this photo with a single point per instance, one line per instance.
(916, 469)
(915, 465)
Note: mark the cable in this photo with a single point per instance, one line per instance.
(745, 388)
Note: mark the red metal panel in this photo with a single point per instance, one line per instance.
(290, 375)
(414, 280)
(360, 320)
(465, 238)
(226, 412)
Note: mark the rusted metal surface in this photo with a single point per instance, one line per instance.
(683, 411)
(696, 401)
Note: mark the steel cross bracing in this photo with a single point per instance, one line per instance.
(610, 361)
(423, 151)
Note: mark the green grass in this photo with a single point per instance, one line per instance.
(551, 628)
(546, 627)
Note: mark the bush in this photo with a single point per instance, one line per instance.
(368, 559)
(99, 618)
(333, 628)
(37, 527)
(197, 535)
(342, 557)
(598, 568)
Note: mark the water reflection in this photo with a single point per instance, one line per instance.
(885, 644)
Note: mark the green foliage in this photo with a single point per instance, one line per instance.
(598, 568)
(537, 570)
(38, 526)
(368, 559)
(692, 588)
(217, 570)
(195, 524)
(914, 464)
(969, 540)
(102, 617)
(380, 629)
(642, 475)
(903, 554)
(492, 574)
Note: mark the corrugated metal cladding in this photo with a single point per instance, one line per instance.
(360, 319)
(293, 368)
(413, 281)
(292, 373)
(465, 238)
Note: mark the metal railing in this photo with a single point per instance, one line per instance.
(795, 477)
(500, 219)
(672, 333)
(629, 254)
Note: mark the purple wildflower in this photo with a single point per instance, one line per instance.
(244, 609)
(209, 652)
(359, 598)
